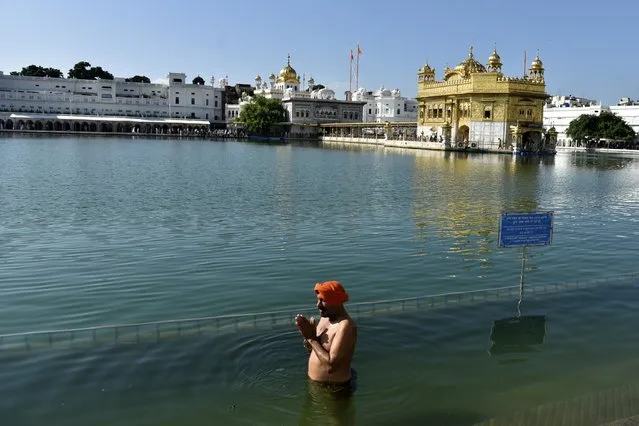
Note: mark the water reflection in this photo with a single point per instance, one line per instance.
(328, 405)
(600, 162)
(520, 334)
(461, 205)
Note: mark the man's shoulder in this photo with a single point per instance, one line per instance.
(348, 323)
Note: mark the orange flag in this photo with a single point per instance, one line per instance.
(359, 51)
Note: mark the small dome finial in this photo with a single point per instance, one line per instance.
(288, 59)
(470, 53)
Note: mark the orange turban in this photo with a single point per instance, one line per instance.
(332, 292)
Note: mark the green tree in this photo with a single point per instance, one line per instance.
(198, 80)
(84, 70)
(80, 70)
(139, 79)
(39, 71)
(259, 115)
(589, 128)
(14, 73)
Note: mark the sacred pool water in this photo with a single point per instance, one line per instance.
(229, 239)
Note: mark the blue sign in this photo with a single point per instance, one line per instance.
(525, 229)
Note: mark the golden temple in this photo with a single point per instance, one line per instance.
(478, 107)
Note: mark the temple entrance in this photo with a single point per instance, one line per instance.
(531, 141)
(463, 134)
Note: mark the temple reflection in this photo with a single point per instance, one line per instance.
(460, 205)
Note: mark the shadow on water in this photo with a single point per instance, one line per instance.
(519, 334)
(600, 162)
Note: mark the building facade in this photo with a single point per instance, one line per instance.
(305, 108)
(385, 105)
(559, 111)
(476, 106)
(628, 109)
(70, 100)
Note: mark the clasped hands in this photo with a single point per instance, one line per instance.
(305, 326)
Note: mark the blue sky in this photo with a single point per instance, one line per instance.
(588, 48)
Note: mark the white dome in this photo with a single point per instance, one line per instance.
(326, 94)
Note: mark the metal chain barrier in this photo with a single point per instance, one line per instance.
(150, 332)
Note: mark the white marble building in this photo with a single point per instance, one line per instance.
(385, 105)
(36, 97)
(628, 109)
(559, 111)
(306, 108)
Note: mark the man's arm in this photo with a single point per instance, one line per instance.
(340, 346)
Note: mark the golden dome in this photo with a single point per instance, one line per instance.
(465, 68)
(288, 74)
(426, 69)
(494, 61)
(537, 65)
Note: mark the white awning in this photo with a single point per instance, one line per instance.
(104, 118)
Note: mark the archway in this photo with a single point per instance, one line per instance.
(57, 126)
(38, 125)
(48, 125)
(66, 126)
(106, 127)
(1, 124)
(8, 124)
(20, 125)
(85, 126)
(93, 127)
(77, 127)
(531, 141)
(30, 125)
(463, 134)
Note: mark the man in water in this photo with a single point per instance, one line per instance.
(331, 344)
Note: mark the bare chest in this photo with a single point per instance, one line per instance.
(326, 333)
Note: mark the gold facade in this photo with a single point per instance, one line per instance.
(476, 106)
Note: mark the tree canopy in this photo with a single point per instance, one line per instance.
(590, 127)
(260, 114)
(138, 79)
(84, 70)
(39, 71)
(198, 80)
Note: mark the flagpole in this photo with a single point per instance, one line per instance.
(357, 68)
(350, 73)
